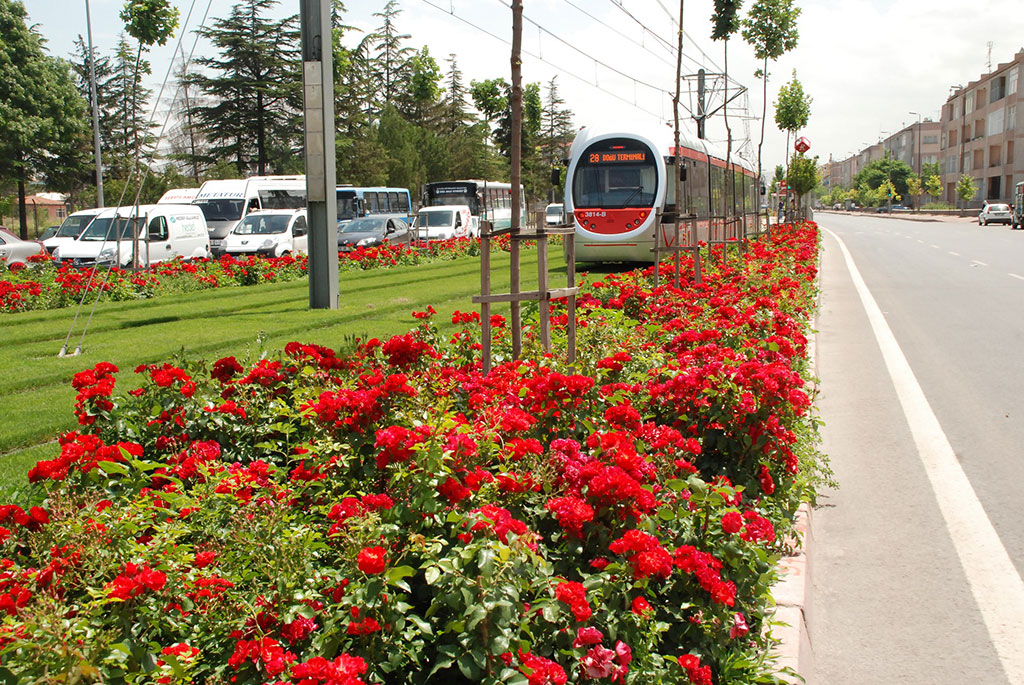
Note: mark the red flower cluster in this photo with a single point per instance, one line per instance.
(134, 581)
(94, 386)
(344, 670)
(266, 651)
(644, 553)
(372, 560)
(575, 595)
(698, 675)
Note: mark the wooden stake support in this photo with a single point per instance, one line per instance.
(542, 295)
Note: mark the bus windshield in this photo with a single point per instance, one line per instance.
(348, 205)
(220, 209)
(615, 174)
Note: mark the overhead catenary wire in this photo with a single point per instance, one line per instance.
(559, 67)
(142, 180)
(614, 30)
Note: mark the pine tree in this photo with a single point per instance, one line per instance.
(187, 144)
(390, 66)
(556, 133)
(254, 117)
(128, 123)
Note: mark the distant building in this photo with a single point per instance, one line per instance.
(916, 144)
(46, 209)
(980, 135)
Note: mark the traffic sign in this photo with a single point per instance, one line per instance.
(802, 145)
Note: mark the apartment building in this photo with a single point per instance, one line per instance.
(980, 135)
(916, 144)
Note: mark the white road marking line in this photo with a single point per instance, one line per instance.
(995, 583)
(979, 263)
(935, 246)
(955, 254)
(1017, 276)
(920, 241)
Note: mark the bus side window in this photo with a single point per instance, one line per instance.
(371, 203)
(403, 203)
(393, 201)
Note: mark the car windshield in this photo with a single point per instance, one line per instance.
(73, 226)
(368, 224)
(220, 210)
(999, 208)
(555, 211)
(262, 223)
(435, 219)
(103, 228)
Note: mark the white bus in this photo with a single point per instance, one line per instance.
(225, 202)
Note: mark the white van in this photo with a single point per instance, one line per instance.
(178, 196)
(163, 233)
(71, 228)
(269, 233)
(443, 222)
(553, 214)
(225, 202)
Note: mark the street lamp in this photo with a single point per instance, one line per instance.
(918, 154)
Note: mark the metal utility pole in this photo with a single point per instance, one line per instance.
(95, 110)
(694, 237)
(701, 106)
(515, 175)
(321, 184)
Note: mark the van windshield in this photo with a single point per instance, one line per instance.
(73, 225)
(103, 228)
(220, 210)
(262, 223)
(435, 219)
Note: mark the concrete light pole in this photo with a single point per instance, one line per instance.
(95, 110)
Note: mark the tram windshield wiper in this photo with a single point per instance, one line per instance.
(639, 189)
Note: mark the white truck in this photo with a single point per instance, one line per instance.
(443, 222)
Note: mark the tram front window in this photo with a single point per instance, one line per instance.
(615, 174)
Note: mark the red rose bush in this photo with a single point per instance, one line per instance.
(394, 515)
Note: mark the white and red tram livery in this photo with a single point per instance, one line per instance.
(619, 184)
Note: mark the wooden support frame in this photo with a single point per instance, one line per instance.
(542, 295)
(686, 225)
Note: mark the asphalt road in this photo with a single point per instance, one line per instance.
(891, 600)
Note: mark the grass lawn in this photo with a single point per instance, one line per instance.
(36, 398)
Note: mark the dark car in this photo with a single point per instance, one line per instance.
(370, 231)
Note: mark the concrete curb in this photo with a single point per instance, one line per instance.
(792, 606)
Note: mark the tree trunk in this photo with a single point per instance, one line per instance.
(764, 113)
(261, 133)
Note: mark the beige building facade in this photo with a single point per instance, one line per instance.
(981, 135)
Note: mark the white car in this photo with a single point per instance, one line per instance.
(269, 233)
(71, 228)
(997, 213)
(14, 250)
(553, 214)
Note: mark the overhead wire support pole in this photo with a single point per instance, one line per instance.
(516, 175)
(95, 110)
(317, 43)
(678, 180)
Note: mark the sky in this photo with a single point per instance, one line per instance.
(870, 66)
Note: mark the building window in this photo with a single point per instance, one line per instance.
(995, 122)
(998, 89)
(1011, 117)
(969, 104)
(956, 110)
(929, 140)
(1011, 81)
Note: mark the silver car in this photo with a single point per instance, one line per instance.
(994, 214)
(14, 250)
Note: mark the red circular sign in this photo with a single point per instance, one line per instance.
(802, 145)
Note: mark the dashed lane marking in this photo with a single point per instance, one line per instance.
(978, 262)
(1017, 276)
(995, 583)
(955, 254)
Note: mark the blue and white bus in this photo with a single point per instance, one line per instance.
(487, 200)
(353, 202)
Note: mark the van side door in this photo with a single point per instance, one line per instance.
(300, 234)
(159, 240)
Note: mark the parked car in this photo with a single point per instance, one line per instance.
(269, 233)
(14, 250)
(995, 213)
(443, 222)
(373, 230)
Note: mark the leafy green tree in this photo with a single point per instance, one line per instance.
(966, 189)
(792, 109)
(802, 176)
(930, 169)
(255, 88)
(420, 101)
(915, 187)
(933, 185)
(725, 21)
(770, 28)
(42, 117)
(886, 169)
